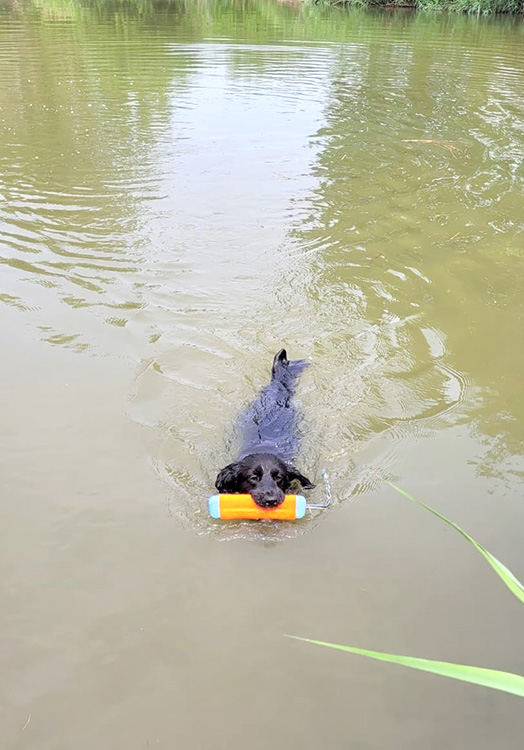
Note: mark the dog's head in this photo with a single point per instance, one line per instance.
(264, 476)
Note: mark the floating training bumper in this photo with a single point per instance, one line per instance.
(232, 506)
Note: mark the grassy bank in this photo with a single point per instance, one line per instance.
(266, 8)
(479, 7)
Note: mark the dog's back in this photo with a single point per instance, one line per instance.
(270, 423)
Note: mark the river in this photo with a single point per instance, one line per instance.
(184, 189)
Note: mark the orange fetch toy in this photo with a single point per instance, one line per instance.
(228, 507)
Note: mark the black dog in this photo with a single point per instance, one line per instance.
(269, 441)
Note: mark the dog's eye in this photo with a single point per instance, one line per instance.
(277, 476)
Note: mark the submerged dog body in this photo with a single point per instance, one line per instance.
(269, 440)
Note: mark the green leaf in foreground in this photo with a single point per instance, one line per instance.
(491, 678)
(511, 581)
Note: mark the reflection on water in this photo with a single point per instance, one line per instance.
(214, 198)
(415, 227)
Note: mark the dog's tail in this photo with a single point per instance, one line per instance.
(287, 371)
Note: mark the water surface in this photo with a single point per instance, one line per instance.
(185, 188)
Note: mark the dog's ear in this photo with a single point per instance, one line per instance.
(293, 475)
(228, 479)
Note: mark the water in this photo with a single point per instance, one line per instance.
(184, 189)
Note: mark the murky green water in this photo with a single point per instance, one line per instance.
(184, 189)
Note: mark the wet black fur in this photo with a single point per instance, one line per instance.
(269, 441)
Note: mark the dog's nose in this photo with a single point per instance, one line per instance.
(268, 500)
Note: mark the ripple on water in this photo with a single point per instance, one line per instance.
(212, 200)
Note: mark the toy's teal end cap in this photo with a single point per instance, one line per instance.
(301, 506)
(214, 506)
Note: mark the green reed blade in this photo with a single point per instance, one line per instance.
(491, 678)
(511, 581)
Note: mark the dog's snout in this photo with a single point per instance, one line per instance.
(268, 499)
